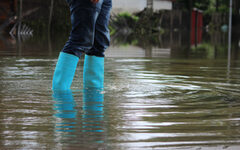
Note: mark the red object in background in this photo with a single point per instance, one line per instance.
(196, 27)
(199, 27)
(193, 27)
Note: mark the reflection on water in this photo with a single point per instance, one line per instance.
(72, 127)
(147, 103)
(152, 99)
(65, 111)
(172, 44)
(92, 110)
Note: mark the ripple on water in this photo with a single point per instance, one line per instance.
(147, 104)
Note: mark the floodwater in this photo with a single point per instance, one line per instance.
(148, 103)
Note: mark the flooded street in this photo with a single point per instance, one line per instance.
(148, 103)
(172, 77)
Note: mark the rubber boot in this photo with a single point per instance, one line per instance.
(64, 71)
(93, 72)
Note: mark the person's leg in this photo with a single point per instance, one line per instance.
(83, 18)
(93, 75)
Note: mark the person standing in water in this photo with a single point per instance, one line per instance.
(89, 36)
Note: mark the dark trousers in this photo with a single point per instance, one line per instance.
(90, 33)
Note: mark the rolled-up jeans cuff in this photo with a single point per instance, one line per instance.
(74, 50)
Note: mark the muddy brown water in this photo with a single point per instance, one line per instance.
(147, 103)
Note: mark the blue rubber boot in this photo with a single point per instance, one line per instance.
(93, 72)
(64, 71)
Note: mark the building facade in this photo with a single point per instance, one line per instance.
(139, 5)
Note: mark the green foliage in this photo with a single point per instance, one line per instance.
(208, 7)
(202, 4)
(112, 30)
(132, 28)
(123, 20)
(145, 22)
(221, 8)
(128, 16)
(205, 49)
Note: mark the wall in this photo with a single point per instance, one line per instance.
(162, 5)
(138, 5)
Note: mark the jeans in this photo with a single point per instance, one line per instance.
(90, 33)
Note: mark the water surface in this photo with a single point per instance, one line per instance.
(148, 103)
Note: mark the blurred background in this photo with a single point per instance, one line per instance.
(145, 28)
